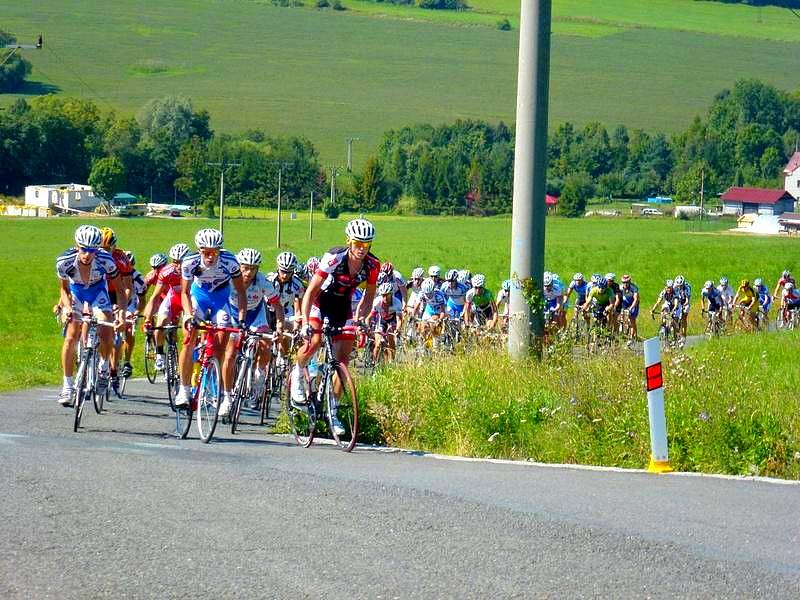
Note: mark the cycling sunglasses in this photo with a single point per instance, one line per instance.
(86, 250)
(361, 245)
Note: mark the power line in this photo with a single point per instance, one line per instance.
(94, 92)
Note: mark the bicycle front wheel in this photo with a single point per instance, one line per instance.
(97, 399)
(302, 419)
(80, 393)
(208, 399)
(171, 371)
(345, 408)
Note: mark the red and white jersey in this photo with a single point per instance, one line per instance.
(386, 311)
(791, 295)
(170, 276)
(339, 282)
(123, 266)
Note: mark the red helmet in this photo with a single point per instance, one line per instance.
(387, 267)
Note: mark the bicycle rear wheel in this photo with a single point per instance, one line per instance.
(345, 408)
(150, 358)
(208, 400)
(241, 392)
(171, 372)
(302, 419)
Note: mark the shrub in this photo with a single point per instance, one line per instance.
(323, 4)
(337, 5)
(504, 25)
(331, 211)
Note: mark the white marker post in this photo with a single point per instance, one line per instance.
(659, 456)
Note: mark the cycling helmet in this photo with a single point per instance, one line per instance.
(745, 283)
(451, 275)
(611, 276)
(679, 280)
(758, 282)
(595, 278)
(383, 277)
(577, 277)
(547, 280)
(109, 237)
(723, 281)
(708, 284)
(178, 252)
(602, 283)
(208, 238)
(360, 230)
(788, 285)
(158, 260)
(676, 287)
(464, 276)
(507, 284)
(669, 283)
(249, 256)
(131, 257)
(427, 287)
(418, 273)
(312, 264)
(286, 261)
(88, 236)
(385, 288)
(434, 271)
(786, 274)
(626, 278)
(478, 280)
(556, 278)
(387, 267)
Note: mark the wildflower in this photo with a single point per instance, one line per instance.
(797, 455)
(732, 411)
(596, 420)
(573, 401)
(703, 416)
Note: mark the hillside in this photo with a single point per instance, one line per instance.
(329, 75)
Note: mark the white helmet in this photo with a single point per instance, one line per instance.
(478, 280)
(418, 273)
(709, 284)
(679, 280)
(287, 261)
(788, 285)
(546, 280)
(208, 238)
(386, 288)
(758, 282)
(88, 236)
(178, 251)
(723, 281)
(611, 276)
(434, 271)
(131, 257)
(577, 277)
(427, 287)
(360, 230)
(451, 275)
(249, 256)
(507, 284)
(158, 260)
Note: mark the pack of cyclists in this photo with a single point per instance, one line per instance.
(348, 285)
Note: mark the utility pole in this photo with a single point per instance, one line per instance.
(223, 166)
(334, 173)
(702, 192)
(311, 217)
(278, 226)
(350, 141)
(530, 171)
(14, 47)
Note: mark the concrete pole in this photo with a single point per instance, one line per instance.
(350, 153)
(333, 186)
(530, 171)
(278, 233)
(221, 199)
(311, 218)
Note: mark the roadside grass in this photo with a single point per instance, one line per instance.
(329, 75)
(650, 249)
(731, 407)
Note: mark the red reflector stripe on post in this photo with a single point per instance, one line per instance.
(654, 377)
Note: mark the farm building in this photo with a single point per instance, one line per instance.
(743, 201)
(66, 196)
(790, 222)
(792, 176)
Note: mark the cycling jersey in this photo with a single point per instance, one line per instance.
(334, 301)
(170, 277)
(434, 304)
(791, 298)
(727, 293)
(386, 311)
(151, 278)
(746, 294)
(504, 299)
(601, 297)
(94, 289)
(551, 297)
(580, 289)
(258, 294)
(288, 291)
(764, 297)
(139, 289)
(211, 278)
(123, 266)
(456, 296)
(685, 293)
(481, 301)
(714, 298)
(628, 294)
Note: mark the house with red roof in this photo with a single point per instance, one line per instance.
(757, 201)
(791, 174)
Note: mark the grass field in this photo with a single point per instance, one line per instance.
(650, 249)
(329, 75)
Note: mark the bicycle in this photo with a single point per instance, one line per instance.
(669, 330)
(171, 372)
(88, 362)
(745, 321)
(244, 378)
(788, 318)
(321, 402)
(715, 325)
(123, 338)
(208, 389)
(276, 375)
(150, 356)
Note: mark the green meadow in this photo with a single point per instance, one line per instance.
(329, 74)
(650, 250)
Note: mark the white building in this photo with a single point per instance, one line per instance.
(67, 196)
(792, 176)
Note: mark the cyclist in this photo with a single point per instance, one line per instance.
(711, 301)
(764, 297)
(790, 299)
(414, 301)
(433, 305)
(611, 278)
(119, 291)
(479, 307)
(581, 288)
(390, 274)
(726, 292)
(747, 297)
(387, 310)
(786, 277)
(206, 279)
(455, 293)
(601, 300)
(503, 303)
(290, 288)
(553, 302)
(135, 305)
(340, 271)
(166, 302)
(685, 294)
(259, 293)
(465, 277)
(83, 272)
(435, 272)
(668, 301)
(157, 262)
(630, 302)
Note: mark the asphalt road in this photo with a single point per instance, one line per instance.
(123, 509)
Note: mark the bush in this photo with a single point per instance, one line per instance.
(331, 211)
(323, 4)
(337, 5)
(504, 25)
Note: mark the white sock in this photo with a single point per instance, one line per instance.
(185, 389)
(69, 382)
(103, 364)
